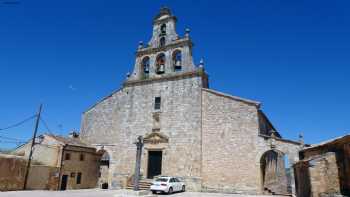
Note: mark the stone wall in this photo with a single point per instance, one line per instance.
(229, 139)
(318, 176)
(324, 175)
(43, 178)
(12, 172)
(328, 164)
(232, 147)
(117, 121)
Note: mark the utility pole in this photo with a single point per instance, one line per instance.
(32, 146)
(139, 145)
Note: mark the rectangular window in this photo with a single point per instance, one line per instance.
(157, 103)
(79, 178)
(82, 157)
(72, 174)
(67, 156)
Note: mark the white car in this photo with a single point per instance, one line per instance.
(167, 184)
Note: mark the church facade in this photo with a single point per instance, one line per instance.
(212, 140)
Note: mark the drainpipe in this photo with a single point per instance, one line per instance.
(60, 170)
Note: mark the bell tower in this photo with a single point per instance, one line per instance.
(166, 54)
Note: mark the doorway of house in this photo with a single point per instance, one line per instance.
(154, 164)
(64, 182)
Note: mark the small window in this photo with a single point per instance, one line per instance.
(79, 178)
(162, 42)
(67, 156)
(72, 174)
(157, 103)
(82, 157)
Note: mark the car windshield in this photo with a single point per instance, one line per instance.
(162, 180)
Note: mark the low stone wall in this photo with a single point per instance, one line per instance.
(318, 176)
(324, 175)
(43, 178)
(12, 172)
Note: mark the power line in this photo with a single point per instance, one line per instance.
(11, 142)
(10, 138)
(45, 124)
(18, 124)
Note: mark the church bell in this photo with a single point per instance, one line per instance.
(161, 68)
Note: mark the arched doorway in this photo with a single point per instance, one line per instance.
(104, 169)
(274, 174)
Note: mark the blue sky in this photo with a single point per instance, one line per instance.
(293, 56)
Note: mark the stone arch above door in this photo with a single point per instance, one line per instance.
(155, 138)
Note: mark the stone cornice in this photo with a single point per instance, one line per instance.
(164, 20)
(176, 43)
(198, 72)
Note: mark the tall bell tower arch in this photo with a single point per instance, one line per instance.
(166, 54)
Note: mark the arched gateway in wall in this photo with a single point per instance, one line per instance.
(274, 173)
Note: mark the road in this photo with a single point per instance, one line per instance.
(105, 193)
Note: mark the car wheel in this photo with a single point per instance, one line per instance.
(154, 192)
(183, 188)
(170, 191)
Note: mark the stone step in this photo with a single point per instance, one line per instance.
(143, 185)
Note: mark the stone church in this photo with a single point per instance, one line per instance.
(212, 140)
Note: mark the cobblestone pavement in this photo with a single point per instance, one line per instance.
(105, 193)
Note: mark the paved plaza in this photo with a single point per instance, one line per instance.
(105, 193)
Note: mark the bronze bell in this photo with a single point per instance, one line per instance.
(161, 68)
(146, 69)
(178, 63)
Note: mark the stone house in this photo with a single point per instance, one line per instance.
(212, 140)
(324, 169)
(60, 163)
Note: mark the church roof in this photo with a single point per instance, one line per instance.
(248, 101)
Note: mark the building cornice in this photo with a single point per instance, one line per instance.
(198, 72)
(160, 21)
(177, 43)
